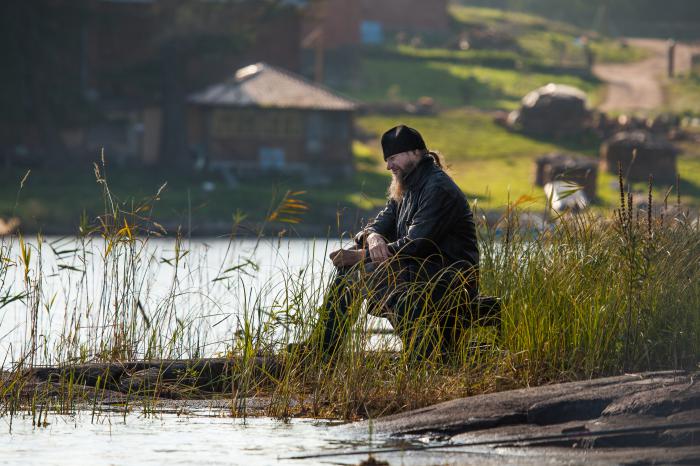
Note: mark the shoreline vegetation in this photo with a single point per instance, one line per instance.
(587, 296)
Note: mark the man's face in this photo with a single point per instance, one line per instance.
(403, 163)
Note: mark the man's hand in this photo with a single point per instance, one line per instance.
(378, 250)
(346, 257)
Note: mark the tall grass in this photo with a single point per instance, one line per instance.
(587, 296)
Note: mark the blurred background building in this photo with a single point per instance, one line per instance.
(88, 75)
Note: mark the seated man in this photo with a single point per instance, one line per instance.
(417, 262)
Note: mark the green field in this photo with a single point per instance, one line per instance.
(454, 84)
(495, 166)
(683, 94)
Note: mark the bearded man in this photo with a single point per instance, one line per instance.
(417, 262)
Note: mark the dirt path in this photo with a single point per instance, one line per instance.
(639, 86)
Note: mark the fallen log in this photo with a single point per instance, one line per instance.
(203, 374)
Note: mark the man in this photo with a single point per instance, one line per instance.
(416, 262)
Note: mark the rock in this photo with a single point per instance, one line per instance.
(512, 407)
(143, 380)
(662, 401)
(553, 110)
(648, 418)
(209, 374)
(644, 418)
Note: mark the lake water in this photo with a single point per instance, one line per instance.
(210, 438)
(203, 438)
(213, 286)
(210, 287)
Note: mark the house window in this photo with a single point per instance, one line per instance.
(371, 32)
(271, 158)
(314, 133)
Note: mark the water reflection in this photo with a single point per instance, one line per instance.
(165, 438)
(213, 287)
(203, 437)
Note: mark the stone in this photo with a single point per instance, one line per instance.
(511, 407)
(662, 401)
(647, 418)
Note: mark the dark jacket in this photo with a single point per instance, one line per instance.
(432, 223)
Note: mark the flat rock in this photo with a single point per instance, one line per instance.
(545, 404)
(662, 401)
(647, 418)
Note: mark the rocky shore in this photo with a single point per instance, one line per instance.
(646, 418)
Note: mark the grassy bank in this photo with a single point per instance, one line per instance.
(184, 199)
(590, 296)
(494, 165)
(491, 164)
(683, 94)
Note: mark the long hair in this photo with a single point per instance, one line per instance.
(437, 159)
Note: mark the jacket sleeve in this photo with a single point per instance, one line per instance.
(383, 224)
(431, 220)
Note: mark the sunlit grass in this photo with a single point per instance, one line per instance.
(454, 84)
(487, 161)
(550, 42)
(683, 94)
(508, 87)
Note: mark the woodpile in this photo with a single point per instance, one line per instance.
(554, 110)
(640, 153)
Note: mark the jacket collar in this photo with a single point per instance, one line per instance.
(418, 175)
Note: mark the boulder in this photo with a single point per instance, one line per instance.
(648, 418)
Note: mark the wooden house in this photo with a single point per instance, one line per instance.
(141, 59)
(266, 119)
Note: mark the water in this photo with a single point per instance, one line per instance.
(211, 438)
(215, 287)
(166, 438)
(72, 290)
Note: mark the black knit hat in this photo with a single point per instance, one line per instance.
(401, 139)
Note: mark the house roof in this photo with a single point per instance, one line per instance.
(264, 85)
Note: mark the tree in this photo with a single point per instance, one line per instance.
(41, 84)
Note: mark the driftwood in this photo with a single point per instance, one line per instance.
(165, 376)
